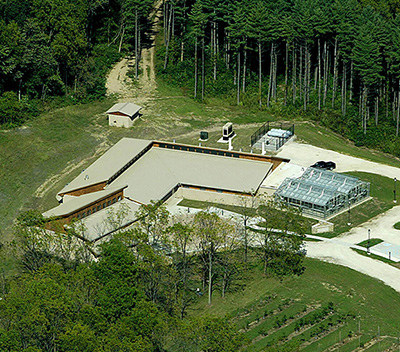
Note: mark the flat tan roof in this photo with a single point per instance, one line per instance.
(150, 173)
(155, 174)
(108, 164)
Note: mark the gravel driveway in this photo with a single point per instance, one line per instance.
(338, 250)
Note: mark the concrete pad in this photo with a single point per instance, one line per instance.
(384, 248)
(283, 171)
(306, 155)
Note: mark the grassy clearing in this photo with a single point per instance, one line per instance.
(370, 243)
(382, 200)
(41, 149)
(282, 316)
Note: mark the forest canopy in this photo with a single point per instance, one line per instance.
(61, 48)
(335, 61)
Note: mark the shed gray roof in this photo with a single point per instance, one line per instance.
(108, 164)
(129, 109)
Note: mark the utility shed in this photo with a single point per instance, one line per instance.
(123, 114)
(321, 193)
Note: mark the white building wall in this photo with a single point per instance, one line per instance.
(119, 121)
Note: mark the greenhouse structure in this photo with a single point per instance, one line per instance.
(320, 193)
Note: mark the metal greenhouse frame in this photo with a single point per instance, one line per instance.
(321, 193)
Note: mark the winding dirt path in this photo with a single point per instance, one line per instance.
(118, 82)
(142, 91)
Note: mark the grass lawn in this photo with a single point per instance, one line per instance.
(370, 243)
(283, 315)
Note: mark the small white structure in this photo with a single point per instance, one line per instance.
(123, 114)
(322, 227)
(227, 131)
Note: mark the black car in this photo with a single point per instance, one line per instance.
(319, 165)
(330, 165)
(326, 165)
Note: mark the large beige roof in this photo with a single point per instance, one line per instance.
(108, 164)
(98, 224)
(283, 171)
(129, 109)
(154, 175)
(72, 204)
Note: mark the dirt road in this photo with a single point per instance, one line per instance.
(142, 91)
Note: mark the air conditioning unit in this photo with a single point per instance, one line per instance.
(227, 131)
(203, 135)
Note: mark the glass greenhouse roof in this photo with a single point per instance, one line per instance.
(306, 191)
(317, 186)
(329, 179)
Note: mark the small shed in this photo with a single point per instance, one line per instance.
(123, 114)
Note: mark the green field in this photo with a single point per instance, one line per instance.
(370, 243)
(328, 306)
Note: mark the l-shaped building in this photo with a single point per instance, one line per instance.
(135, 171)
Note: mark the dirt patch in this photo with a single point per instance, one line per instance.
(71, 167)
(330, 287)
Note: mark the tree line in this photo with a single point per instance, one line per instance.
(62, 48)
(134, 292)
(337, 61)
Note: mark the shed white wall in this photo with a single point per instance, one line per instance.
(119, 121)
